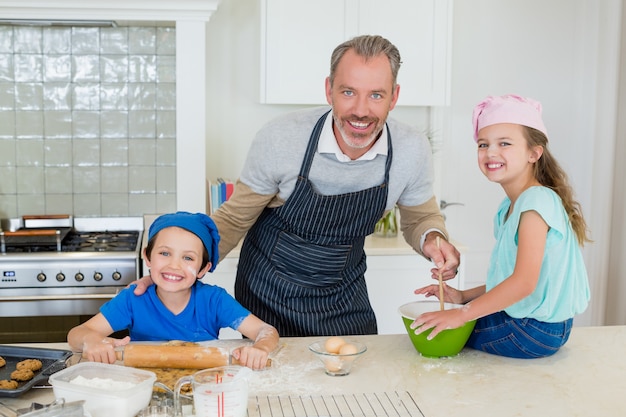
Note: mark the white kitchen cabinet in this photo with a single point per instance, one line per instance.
(391, 280)
(298, 37)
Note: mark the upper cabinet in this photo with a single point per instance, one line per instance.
(298, 37)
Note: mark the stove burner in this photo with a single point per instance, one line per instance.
(103, 241)
(98, 241)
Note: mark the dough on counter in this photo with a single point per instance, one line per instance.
(169, 377)
(32, 364)
(2, 362)
(8, 384)
(22, 375)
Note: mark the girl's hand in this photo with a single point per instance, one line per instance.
(99, 349)
(251, 356)
(438, 321)
(450, 294)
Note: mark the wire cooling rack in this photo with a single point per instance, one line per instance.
(382, 404)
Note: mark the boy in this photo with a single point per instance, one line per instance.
(181, 248)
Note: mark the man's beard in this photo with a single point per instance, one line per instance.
(356, 141)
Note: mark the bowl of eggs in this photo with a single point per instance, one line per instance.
(337, 354)
(447, 343)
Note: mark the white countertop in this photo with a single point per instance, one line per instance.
(585, 378)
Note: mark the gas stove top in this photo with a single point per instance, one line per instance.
(71, 252)
(64, 234)
(59, 265)
(104, 241)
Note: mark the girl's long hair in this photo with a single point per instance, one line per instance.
(550, 174)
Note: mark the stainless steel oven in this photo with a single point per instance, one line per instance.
(60, 266)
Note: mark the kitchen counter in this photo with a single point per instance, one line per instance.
(586, 378)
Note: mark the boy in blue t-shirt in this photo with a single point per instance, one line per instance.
(181, 248)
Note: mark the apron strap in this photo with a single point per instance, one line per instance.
(312, 146)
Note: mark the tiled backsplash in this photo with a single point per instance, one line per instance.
(87, 120)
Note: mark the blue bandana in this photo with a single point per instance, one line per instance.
(199, 224)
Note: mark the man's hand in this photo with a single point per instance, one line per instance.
(445, 257)
(142, 284)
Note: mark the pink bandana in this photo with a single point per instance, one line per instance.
(507, 109)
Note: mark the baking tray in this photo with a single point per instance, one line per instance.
(53, 360)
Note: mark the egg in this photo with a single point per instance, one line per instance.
(333, 364)
(347, 349)
(333, 344)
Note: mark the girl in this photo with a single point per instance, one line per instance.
(536, 280)
(181, 248)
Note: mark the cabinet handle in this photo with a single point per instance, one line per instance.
(443, 204)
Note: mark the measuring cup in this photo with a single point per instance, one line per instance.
(217, 392)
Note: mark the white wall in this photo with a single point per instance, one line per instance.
(616, 288)
(562, 53)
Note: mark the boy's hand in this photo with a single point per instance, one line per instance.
(251, 357)
(99, 349)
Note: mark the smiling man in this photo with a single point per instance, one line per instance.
(314, 185)
(361, 90)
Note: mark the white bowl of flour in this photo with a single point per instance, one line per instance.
(108, 390)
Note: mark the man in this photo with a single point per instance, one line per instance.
(314, 185)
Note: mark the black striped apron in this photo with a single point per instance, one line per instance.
(302, 264)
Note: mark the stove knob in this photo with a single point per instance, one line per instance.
(117, 276)
(97, 276)
(79, 276)
(60, 277)
(41, 277)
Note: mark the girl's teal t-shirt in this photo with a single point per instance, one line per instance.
(563, 287)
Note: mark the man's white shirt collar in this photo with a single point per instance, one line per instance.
(328, 143)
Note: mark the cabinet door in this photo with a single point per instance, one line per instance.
(422, 31)
(298, 37)
(391, 281)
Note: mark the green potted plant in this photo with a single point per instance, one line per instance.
(387, 226)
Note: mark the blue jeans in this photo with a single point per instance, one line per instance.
(501, 334)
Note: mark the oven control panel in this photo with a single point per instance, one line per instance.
(68, 274)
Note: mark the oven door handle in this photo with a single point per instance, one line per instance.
(57, 297)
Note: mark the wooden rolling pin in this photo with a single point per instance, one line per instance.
(182, 357)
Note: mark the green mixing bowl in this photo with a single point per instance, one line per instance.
(447, 343)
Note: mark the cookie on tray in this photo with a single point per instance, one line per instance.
(8, 384)
(2, 362)
(22, 375)
(32, 364)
